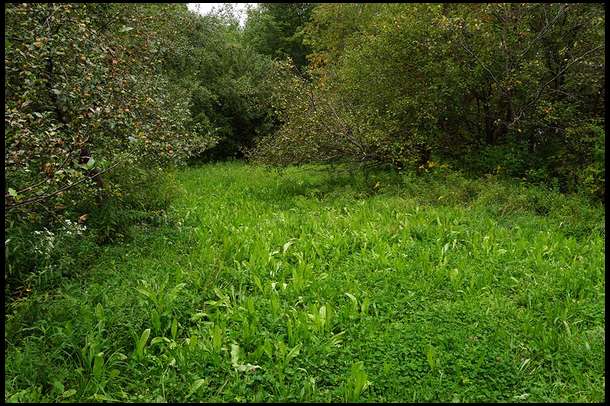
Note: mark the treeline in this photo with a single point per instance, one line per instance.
(516, 89)
(99, 97)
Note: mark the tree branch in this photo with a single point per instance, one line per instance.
(44, 197)
(541, 88)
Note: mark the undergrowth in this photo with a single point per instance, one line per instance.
(309, 285)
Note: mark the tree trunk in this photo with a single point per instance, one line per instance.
(424, 157)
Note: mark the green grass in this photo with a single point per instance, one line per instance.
(302, 285)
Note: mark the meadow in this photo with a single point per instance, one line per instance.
(313, 284)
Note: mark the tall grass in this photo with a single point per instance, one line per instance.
(309, 285)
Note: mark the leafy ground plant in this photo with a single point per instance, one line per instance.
(301, 285)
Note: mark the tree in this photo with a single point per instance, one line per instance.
(85, 93)
(276, 29)
(512, 86)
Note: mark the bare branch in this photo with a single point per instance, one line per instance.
(541, 88)
(493, 77)
(44, 180)
(562, 8)
(44, 197)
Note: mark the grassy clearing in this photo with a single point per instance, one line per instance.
(305, 286)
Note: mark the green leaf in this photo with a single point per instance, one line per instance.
(287, 245)
(68, 393)
(175, 290)
(99, 311)
(196, 385)
(234, 354)
(12, 192)
(141, 343)
(431, 356)
(120, 356)
(258, 283)
(98, 365)
(353, 299)
(198, 316)
(145, 292)
(156, 320)
(293, 353)
(125, 29)
(174, 328)
(159, 340)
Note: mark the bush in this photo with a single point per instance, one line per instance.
(397, 83)
(41, 250)
(87, 103)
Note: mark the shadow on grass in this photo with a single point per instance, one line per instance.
(325, 183)
(503, 198)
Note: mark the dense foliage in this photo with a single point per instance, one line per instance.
(225, 75)
(84, 91)
(100, 97)
(511, 88)
(131, 277)
(88, 112)
(277, 30)
(313, 286)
